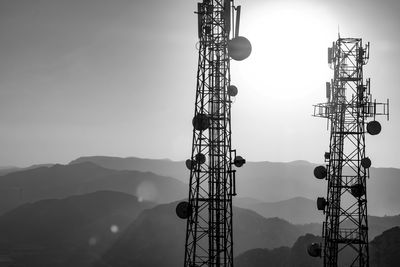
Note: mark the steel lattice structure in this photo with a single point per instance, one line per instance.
(349, 107)
(209, 234)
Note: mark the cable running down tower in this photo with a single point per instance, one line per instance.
(208, 211)
(349, 106)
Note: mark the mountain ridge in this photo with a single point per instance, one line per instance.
(59, 181)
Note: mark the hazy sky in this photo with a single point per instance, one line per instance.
(117, 77)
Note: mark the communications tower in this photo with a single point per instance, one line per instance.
(208, 211)
(351, 114)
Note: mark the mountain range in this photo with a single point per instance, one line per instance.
(273, 181)
(102, 212)
(259, 185)
(109, 228)
(59, 181)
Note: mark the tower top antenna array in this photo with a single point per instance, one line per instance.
(208, 211)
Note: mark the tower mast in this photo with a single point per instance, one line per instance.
(209, 233)
(348, 109)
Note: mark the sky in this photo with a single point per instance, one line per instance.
(117, 78)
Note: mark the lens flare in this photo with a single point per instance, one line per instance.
(114, 229)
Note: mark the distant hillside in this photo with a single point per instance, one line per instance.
(7, 170)
(162, 167)
(244, 202)
(274, 181)
(297, 210)
(10, 169)
(301, 210)
(271, 182)
(377, 225)
(384, 249)
(261, 257)
(384, 252)
(383, 191)
(157, 236)
(295, 256)
(67, 232)
(61, 181)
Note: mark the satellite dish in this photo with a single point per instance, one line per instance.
(321, 203)
(232, 90)
(314, 250)
(374, 127)
(366, 162)
(201, 122)
(184, 210)
(239, 161)
(200, 158)
(320, 172)
(239, 48)
(357, 190)
(190, 164)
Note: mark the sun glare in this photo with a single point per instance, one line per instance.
(286, 72)
(289, 42)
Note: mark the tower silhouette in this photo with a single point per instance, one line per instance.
(348, 110)
(209, 232)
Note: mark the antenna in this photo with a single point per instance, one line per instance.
(238, 9)
(227, 15)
